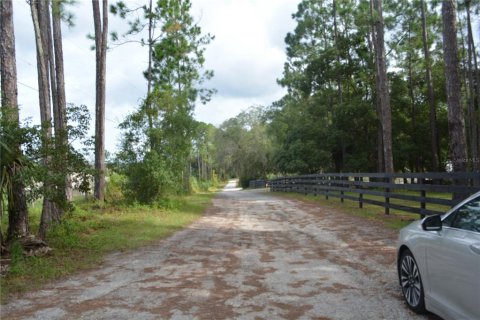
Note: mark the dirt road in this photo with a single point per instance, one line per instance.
(252, 256)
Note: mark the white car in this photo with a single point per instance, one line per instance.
(439, 262)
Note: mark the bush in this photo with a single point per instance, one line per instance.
(113, 192)
(148, 181)
(199, 186)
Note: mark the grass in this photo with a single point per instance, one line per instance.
(395, 220)
(90, 232)
(414, 204)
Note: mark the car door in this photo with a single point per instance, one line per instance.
(453, 263)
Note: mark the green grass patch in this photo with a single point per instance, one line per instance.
(409, 203)
(92, 231)
(395, 220)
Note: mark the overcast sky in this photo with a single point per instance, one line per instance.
(247, 57)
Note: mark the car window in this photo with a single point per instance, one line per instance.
(467, 217)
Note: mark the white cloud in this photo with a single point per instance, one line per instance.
(247, 57)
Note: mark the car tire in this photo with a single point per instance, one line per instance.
(411, 282)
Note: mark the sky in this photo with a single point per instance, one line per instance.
(247, 57)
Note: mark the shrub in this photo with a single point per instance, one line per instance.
(113, 192)
(200, 185)
(149, 180)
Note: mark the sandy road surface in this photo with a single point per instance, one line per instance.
(252, 256)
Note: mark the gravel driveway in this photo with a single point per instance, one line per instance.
(252, 256)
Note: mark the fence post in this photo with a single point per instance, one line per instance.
(342, 185)
(305, 185)
(327, 185)
(360, 194)
(423, 194)
(387, 196)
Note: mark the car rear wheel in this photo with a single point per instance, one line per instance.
(411, 282)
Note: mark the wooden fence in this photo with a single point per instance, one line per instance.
(415, 190)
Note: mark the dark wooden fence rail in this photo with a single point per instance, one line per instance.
(416, 188)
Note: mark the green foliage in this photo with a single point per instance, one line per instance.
(63, 159)
(24, 150)
(10, 156)
(244, 147)
(328, 121)
(201, 185)
(149, 180)
(17, 264)
(202, 161)
(114, 187)
(158, 139)
(299, 138)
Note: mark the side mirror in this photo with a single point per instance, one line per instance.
(432, 223)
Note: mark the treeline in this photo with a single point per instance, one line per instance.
(164, 152)
(344, 113)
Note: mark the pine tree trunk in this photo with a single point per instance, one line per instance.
(199, 167)
(58, 166)
(42, 66)
(61, 118)
(473, 120)
(39, 11)
(17, 205)
(382, 88)
(101, 32)
(371, 44)
(148, 106)
(47, 32)
(435, 149)
(477, 106)
(415, 155)
(456, 125)
(337, 55)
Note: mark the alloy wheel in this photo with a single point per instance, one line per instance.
(410, 281)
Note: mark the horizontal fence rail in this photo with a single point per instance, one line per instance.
(415, 190)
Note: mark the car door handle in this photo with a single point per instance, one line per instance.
(475, 248)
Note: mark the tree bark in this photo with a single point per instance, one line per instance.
(456, 124)
(472, 113)
(337, 55)
(47, 32)
(101, 32)
(17, 205)
(42, 65)
(435, 149)
(50, 53)
(382, 87)
(371, 44)
(411, 93)
(61, 118)
(148, 102)
(477, 106)
(39, 10)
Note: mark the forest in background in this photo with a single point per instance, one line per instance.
(343, 111)
(331, 118)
